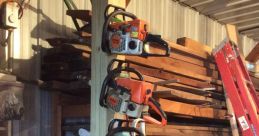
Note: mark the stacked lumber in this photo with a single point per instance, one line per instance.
(183, 130)
(197, 95)
(66, 67)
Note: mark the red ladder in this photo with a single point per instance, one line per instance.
(239, 87)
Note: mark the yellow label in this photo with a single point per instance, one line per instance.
(134, 34)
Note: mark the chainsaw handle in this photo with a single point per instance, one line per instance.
(160, 41)
(124, 129)
(156, 107)
(120, 63)
(108, 19)
(116, 8)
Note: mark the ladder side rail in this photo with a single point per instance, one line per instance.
(246, 96)
(250, 84)
(232, 92)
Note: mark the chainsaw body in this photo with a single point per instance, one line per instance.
(131, 97)
(128, 37)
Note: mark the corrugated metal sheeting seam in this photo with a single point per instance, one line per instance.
(47, 18)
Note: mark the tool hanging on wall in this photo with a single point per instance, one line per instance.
(127, 96)
(129, 37)
(10, 13)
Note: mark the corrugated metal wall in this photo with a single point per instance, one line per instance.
(172, 21)
(42, 19)
(46, 18)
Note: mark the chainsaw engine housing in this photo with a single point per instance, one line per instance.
(119, 101)
(127, 37)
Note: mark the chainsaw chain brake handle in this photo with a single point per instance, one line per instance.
(108, 19)
(157, 108)
(158, 40)
(109, 82)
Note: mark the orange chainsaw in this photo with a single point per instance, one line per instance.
(131, 97)
(129, 37)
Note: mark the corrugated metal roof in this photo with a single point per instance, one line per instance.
(242, 13)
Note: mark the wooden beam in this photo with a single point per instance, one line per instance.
(191, 110)
(195, 45)
(189, 98)
(100, 116)
(188, 57)
(166, 65)
(233, 122)
(192, 52)
(159, 73)
(182, 88)
(253, 56)
(193, 60)
(232, 33)
(183, 130)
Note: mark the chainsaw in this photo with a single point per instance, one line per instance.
(129, 37)
(127, 96)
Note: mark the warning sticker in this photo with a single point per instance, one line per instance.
(243, 123)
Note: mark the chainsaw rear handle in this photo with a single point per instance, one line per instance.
(156, 107)
(116, 126)
(114, 123)
(124, 129)
(160, 41)
(108, 19)
(109, 82)
(119, 66)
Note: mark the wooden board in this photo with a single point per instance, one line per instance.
(189, 98)
(187, 57)
(183, 130)
(165, 64)
(232, 33)
(193, 60)
(178, 86)
(253, 56)
(191, 110)
(84, 15)
(76, 111)
(194, 45)
(159, 73)
(194, 53)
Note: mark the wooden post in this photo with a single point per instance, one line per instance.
(100, 117)
(233, 122)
